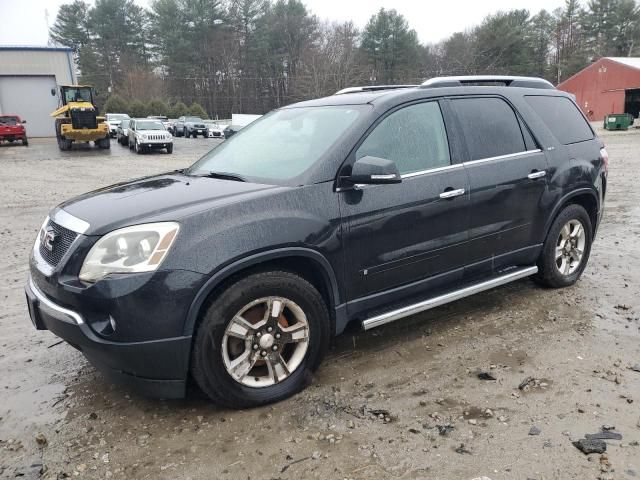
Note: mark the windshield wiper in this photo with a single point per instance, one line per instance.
(226, 176)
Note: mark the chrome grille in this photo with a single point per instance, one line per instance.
(63, 238)
(156, 137)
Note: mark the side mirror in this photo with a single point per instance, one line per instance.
(374, 171)
(23, 121)
(53, 92)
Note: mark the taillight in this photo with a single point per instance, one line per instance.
(605, 159)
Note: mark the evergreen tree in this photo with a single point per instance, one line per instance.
(391, 46)
(116, 104)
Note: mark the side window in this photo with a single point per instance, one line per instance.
(562, 117)
(490, 127)
(413, 137)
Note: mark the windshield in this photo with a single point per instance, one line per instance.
(149, 125)
(81, 94)
(280, 145)
(116, 116)
(193, 119)
(9, 120)
(125, 123)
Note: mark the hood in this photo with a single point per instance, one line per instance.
(159, 198)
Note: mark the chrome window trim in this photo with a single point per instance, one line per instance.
(70, 222)
(431, 170)
(52, 306)
(502, 157)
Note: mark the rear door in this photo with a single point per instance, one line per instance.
(398, 235)
(508, 177)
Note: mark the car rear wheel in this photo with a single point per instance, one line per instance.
(566, 250)
(260, 340)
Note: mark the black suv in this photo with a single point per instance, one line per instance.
(360, 207)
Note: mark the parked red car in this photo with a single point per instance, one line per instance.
(12, 128)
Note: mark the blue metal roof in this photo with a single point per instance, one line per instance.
(35, 48)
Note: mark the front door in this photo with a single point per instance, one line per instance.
(399, 237)
(508, 177)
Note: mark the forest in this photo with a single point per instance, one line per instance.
(218, 57)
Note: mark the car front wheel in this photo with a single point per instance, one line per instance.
(260, 340)
(566, 250)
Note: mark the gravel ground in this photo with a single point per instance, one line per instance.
(401, 401)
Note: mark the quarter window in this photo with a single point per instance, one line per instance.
(413, 137)
(562, 117)
(490, 127)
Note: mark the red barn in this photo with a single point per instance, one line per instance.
(610, 85)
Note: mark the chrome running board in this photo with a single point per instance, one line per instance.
(399, 313)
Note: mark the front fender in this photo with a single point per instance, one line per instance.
(219, 276)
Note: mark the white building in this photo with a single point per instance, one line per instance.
(27, 77)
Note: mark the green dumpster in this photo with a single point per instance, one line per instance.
(618, 121)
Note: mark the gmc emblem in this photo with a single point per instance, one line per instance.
(48, 238)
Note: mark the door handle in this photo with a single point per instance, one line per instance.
(452, 193)
(534, 175)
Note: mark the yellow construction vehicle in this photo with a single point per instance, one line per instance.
(77, 118)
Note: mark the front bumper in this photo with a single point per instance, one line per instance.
(84, 134)
(12, 136)
(155, 145)
(156, 368)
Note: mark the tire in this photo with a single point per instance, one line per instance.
(185, 132)
(104, 143)
(556, 271)
(64, 144)
(212, 346)
(170, 148)
(25, 141)
(137, 147)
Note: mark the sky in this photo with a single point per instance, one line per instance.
(23, 22)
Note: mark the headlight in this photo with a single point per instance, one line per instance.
(144, 136)
(140, 248)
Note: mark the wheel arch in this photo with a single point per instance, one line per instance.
(586, 198)
(308, 263)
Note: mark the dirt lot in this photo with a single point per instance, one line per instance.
(402, 401)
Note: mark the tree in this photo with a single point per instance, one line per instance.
(626, 28)
(569, 51)
(178, 110)
(71, 27)
(597, 20)
(391, 46)
(137, 109)
(197, 111)
(540, 35)
(116, 104)
(501, 43)
(158, 107)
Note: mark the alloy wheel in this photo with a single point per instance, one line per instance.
(265, 342)
(570, 247)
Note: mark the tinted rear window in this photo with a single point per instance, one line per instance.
(490, 127)
(562, 117)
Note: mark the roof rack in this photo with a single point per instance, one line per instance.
(372, 88)
(506, 80)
